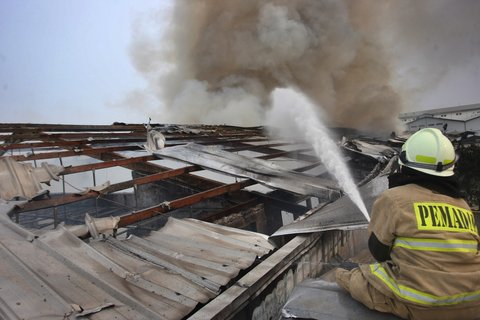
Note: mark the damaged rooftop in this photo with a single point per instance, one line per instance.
(169, 221)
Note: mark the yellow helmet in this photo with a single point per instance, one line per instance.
(430, 152)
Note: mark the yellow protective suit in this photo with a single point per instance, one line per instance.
(434, 271)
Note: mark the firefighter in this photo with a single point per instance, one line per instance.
(424, 238)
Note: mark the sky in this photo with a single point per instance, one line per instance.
(66, 61)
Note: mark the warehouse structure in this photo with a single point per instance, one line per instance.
(171, 221)
(450, 120)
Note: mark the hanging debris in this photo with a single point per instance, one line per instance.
(23, 181)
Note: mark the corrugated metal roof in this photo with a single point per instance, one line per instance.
(342, 214)
(23, 180)
(266, 172)
(169, 273)
(56, 275)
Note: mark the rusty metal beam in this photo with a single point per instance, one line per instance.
(68, 143)
(80, 152)
(150, 178)
(194, 182)
(34, 136)
(30, 145)
(70, 198)
(199, 183)
(106, 164)
(182, 202)
(62, 138)
(36, 127)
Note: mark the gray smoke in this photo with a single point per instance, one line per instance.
(220, 60)
(427, 40)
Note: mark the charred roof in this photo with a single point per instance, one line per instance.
(140, 200)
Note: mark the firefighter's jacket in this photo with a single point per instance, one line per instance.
(435, 258)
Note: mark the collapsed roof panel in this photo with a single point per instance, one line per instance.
(22, 180)
(342, 214)
(379, 152)
(266, 172)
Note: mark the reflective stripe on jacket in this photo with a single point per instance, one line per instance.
(449, 245)
(420, 297)
(434, 247)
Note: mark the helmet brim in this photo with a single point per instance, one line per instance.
(445, 173)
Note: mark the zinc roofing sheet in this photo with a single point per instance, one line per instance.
(165, 275)
(265, 172)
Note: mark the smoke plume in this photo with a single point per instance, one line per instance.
(220, 60)
(427, 41)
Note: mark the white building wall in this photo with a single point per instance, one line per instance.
(431, 122)
(462, 113)
(473, 125)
